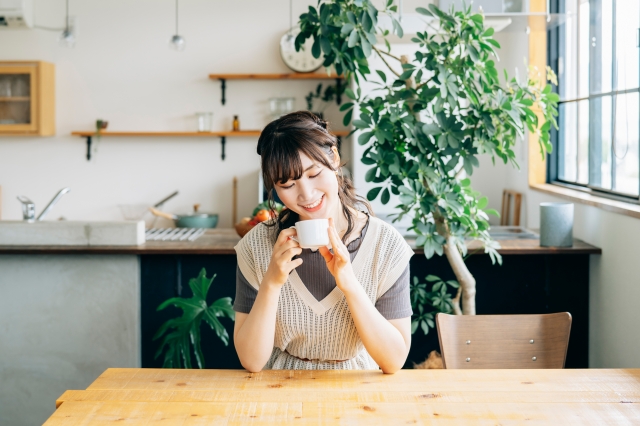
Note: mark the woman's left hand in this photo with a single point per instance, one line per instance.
(338, 262)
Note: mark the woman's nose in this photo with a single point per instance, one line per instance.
(305, 191)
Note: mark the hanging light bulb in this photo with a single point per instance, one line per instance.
(177, 42)
(67, 37)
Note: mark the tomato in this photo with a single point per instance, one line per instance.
(262, 215)
(253, 222)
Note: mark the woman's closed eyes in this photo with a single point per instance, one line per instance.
(310, 177)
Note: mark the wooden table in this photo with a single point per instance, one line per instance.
(230, 397)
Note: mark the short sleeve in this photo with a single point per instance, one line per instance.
(396, 302)
(396, 254)
(246, 260)
(245, 294)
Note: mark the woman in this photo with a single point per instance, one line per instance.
(347, 308)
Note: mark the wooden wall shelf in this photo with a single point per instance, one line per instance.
(16, 99)
(286, 76)
(222, 135)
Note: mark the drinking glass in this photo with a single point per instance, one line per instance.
(205, 121)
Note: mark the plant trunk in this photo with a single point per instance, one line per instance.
(466, 280)
(467, 290)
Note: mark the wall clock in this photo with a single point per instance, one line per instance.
(302, 61)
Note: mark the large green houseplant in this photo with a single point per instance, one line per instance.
(178, 334)
(424, 130)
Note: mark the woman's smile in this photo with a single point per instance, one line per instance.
(315, 206)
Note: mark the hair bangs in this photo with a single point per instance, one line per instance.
(282, 162)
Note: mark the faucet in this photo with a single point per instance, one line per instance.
(29, 207)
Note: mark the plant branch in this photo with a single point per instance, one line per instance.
(424, 83)
(385, 62)
(388, 54)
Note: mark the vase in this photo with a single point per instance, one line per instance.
(556, 224)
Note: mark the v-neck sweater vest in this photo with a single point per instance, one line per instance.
(312, 334)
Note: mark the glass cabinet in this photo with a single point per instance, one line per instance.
(27, 102)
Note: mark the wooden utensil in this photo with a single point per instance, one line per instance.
(234, 216)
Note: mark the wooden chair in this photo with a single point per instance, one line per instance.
(504, 341)
(507, 195)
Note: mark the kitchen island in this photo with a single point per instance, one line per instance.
(69, 312)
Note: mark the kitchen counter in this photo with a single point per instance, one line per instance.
(222, 241)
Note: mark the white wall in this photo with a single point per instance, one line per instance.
(122, 70)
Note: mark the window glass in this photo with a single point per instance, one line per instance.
(605, 149)
(598, 66)
(583, 49)
(583, 141)
(605, 50)
(625, 149)
(627, 24)
(568, 142)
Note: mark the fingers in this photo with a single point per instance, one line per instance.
(326, 254)
(290, 253)
(281, 248)
(294, 264)
(333, 236)
(285, 234)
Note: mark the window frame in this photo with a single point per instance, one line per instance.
(555, 159)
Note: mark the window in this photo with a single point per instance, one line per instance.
(596, 56)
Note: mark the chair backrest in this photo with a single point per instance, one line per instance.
(507, 194)
(504, 341)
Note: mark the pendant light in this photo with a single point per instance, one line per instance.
(67, 37)
(288, 40)
(177, 42)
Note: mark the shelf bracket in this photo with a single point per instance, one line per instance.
(338, 87)
(88, 148)
(224, 142)
(223, 88)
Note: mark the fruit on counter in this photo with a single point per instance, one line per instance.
(265, 206)
(260, 214)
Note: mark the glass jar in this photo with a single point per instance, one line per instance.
(205, 121)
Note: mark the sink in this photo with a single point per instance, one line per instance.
(71, 233)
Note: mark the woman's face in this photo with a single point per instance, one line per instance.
(315, 194)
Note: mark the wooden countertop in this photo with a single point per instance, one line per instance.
(222, 241)
(230, 397)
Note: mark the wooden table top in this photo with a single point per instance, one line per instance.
(461, 397)
(222, 241)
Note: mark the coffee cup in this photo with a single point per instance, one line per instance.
(312, 234)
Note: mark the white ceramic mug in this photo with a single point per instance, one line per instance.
(312, 234)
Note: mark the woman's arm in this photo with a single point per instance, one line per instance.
(254, 333)
(387, 341)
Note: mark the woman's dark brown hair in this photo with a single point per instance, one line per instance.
(280, 145)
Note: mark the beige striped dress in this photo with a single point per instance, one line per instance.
(312, 334)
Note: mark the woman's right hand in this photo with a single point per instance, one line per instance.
(281, 263)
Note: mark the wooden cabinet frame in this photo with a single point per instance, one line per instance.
(42, 98)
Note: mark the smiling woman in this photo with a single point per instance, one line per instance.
(345, 308)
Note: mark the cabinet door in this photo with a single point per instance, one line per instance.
(18, 99)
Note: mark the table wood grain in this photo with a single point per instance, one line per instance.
(222, 241)
(230, 397)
